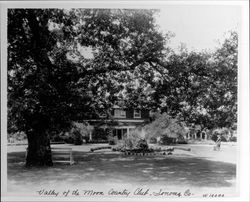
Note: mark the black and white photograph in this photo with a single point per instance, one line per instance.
(125, 102)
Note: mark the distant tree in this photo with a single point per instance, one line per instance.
(67, 65)
(180, 96)
(201, 88)
(221, 99)
(165, 125)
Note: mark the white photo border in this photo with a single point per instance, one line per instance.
(243, 90)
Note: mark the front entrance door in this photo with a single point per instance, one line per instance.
(119, 134)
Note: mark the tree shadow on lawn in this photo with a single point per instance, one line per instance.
(117, 168)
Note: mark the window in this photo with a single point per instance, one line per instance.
(120, 113)
(137, 114)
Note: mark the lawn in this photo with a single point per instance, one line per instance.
(108, 168)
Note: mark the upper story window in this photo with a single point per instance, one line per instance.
(137, 113)
(119, 113)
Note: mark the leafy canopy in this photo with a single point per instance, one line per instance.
(66, 65)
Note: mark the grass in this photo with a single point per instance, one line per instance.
(107, 167)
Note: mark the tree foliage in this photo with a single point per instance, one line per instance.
(65, 61)
(68, 65)
(223, 90)
(202, 86)
(165, 125)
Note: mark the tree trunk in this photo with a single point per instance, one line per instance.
(39, 150)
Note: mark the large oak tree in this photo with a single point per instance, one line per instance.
(66, 65)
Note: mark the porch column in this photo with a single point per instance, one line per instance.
(90, 135)
(127, 132)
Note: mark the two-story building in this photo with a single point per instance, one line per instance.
(120, 121)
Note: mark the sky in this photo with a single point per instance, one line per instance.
(199, 26)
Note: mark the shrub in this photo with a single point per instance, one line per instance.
(142, 144)
(98, 141)
(165, 126)
(129, 143)
(86, 139)
(215, 136)
(57, 137)
(223, 138)
(84, 129)
(69, 140)
(99, 134)
(233, 139)
(112, 140)
(133, 139)
(181, 140)
(153, 140)
(77, 136)
(18, 136)
(224, 132)
(165, 140)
